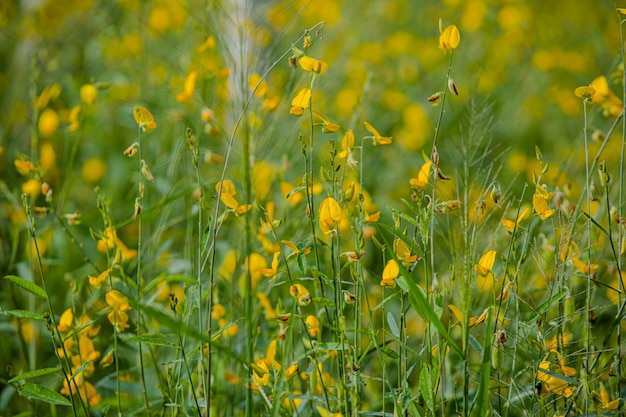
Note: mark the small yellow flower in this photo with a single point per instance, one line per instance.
(144, 118)
(512, 225)
(585, 92)
(313, 325)
(327, 125)
(329, 215)
(97, 281)
(422, 177)
(390, 274)
(300, 102)
(228, 197)
(291, 371)
(449, 38)
(118, 316)
(541, 207)
(310, 64)
(300, 293)
(377, 138)
(485, 265)
(271, 272)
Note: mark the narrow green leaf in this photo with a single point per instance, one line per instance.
(23, 314)
(31, 287)
(545, 306)
(420, 304)
(389, 352)
(426, 387)
(34, 374)
(38, 392)
(81, 369)
(393, 324)
(153, 339)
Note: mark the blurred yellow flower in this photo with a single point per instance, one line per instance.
(88, 93)
(32, 187)
(585, 92)
(190, 84)
(48, 122)
(255, 80)
(24, 167)
(449, 38)
(93, 170)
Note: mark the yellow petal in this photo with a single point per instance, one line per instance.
(584, 92)
(457, 313)
(391, 271)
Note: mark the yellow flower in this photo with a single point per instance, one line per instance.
(109, 240)
(485, 264)
(190, 85)
(325, 413)
(541, 207)
(97, 281)
(329, 215)
(390, 274)
(310, 64)
(32, 187)
(300, 102)
(512, 225)
(403, 253)
(377, 138)
(48, 122)
(555, 384)
(422, 177)
(300, 293)
(117, 316)
(23, 167)
(291, 371)
(313, 325)
(144, 118)
(327, 125)
(228, 197)
(585, 92)
(449, 38)
(66, 321)
(270, 356)
(271, 272)
(88, 93)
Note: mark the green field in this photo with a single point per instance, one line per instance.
(312, 208)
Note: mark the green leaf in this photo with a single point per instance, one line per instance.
(389, 352)
(426, 387)
(323, 302)
(81, 368)
(153, 339)
(34, 374)
(545, 306)
(393, 324)
(23, 314)
(31, 287)
(38, 392)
